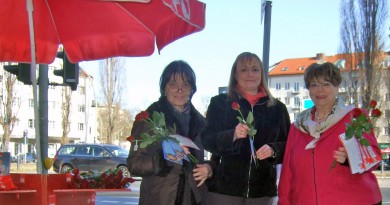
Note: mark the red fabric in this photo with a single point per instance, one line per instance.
(93, 30)
(252, 98)
(305, 179)
(6, 183)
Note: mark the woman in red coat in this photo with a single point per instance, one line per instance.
(313, 144)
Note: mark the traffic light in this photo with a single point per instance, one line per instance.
(69, 71)
(22, 70)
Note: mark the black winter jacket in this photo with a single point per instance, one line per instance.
(236, 174)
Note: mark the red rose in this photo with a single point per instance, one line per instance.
(130, 138)
(356, 112)
(235, 106)
(372, 104)
(376, 112)
(142, 116)
(75, 171)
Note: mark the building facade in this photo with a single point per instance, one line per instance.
(83, 113)
(286, 83)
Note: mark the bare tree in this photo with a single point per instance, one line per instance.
(9, 107)
(112, 77)
(362, 37)
(205, 104)
(65, 113)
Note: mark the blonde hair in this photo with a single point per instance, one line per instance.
(232, 87)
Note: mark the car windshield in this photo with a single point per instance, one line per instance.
(117, 151)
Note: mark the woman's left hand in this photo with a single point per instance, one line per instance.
(264, 152)
(201, 173)
(340, 155)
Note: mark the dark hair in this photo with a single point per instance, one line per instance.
(232, 87)
(178, 67)
(328, 71)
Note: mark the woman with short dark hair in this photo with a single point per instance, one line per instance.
(165, 182)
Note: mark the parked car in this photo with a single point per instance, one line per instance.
(30, 158)
(88, 157)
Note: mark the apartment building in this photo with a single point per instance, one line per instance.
(83, 112)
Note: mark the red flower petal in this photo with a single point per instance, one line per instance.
(235, 106)
(376, 112)
(75, 171)
(130, 138)
(372, 103)
(142, 116)
(356, 112)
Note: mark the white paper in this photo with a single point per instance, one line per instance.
(185, 141)
(358, 161)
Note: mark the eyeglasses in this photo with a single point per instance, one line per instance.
(325, 84)
(174, 87)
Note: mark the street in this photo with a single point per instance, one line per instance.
(132, 197)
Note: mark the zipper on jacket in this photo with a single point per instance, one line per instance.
(249, 177)
(250, 162)
(314, 174)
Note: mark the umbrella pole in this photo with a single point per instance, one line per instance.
(30, 9)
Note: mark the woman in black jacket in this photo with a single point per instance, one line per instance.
(165, 182)
(246, 175)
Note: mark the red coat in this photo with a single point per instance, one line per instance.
(305, 179)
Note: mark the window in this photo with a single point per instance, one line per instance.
(81, 108)
(386, 130)
(52, 124)
(16, 102)
(386, 114)
(277, 86)
(297, 102)
(387, 97)
(284, 69)
(81, 126)
(287, 86)
(287, 101)
(52, 104)
(81, 90)
(296, 87)
(30, 123)
(30, 102)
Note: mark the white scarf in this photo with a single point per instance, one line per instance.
(305, 123)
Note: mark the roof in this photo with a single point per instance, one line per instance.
(297, 66)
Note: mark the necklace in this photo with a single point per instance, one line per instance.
(321, 119)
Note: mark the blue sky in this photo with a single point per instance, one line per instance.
(299, 28)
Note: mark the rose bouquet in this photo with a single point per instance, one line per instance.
(161, 134)
(110, 179)
(361, 123)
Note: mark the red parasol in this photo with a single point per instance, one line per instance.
(93, 29)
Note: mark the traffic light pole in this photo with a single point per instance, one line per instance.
(43, 82)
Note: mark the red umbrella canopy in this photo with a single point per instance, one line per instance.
(94, 29)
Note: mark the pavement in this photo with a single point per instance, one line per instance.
(383, 178)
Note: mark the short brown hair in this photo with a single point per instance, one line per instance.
(328, 71)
